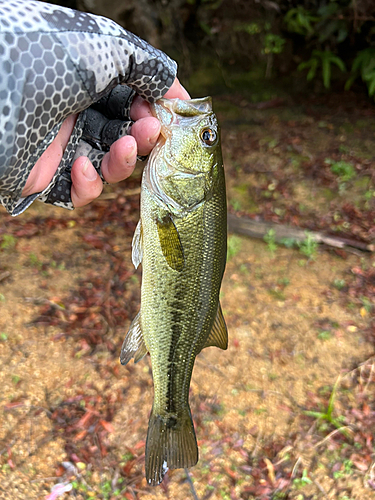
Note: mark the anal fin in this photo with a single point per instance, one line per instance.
(133, 345)
(218, 336)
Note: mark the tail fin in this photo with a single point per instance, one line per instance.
(171, 444)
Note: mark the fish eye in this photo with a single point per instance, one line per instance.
(209, 136)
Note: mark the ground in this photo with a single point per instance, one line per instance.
(288, 411)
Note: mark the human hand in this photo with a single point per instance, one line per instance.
(57, 63)
(117, 164)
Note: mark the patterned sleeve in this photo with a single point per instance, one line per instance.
(55, 62)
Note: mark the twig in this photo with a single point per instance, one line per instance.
(41, 300)
(34, 407)
(53, 478)
(320, 488)
(4, 275)
(137, 490)
(295, 468)
(259, 229)
(370, 472)
(192, 488)
(7, 447)
(256, 446)
(208, 365)
(346, 427)
(115, 479)
(369, 378)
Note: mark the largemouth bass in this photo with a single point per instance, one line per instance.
(181, 241)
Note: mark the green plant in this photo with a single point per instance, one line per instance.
(332, 25)
(299, 20)
(300, 482)
(325, 59)
(339, 284)
(8, 242)
(283, 282)
(366, 303)
(234, 246)
(324, 335)
(344, 170)
(288, 242)
(236, 204)
(244, 269)
(269, 238)
(308, 246)
(347, 470)
(327, 415)
(364, 66)
(34, 261)
(273, 44)
(250, 28)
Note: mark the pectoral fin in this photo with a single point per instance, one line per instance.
(137, 248)
(133, 345)
(218, 336)
(170, 243)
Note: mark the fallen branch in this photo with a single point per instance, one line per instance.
(259, 229)
(4, 275)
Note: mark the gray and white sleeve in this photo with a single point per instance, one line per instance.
(55, 62)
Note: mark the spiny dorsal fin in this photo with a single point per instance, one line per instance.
(137, 248)
(170, 243)
(218, 336)
(133, 345)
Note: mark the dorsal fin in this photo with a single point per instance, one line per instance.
(218, 336)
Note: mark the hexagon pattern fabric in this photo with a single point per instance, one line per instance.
(54, 62)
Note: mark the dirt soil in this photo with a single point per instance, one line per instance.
(287, 412)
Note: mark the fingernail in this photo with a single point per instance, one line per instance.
(131, 154)
(89, 173)
(154, 137)
(132, 149)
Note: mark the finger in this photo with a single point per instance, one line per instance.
(119, 163)
(177, 91)
(139, 109)
(86, 183)
(146, 132)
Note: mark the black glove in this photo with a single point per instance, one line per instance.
(56, 62)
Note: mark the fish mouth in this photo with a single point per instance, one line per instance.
(173, 111)
(187, 107)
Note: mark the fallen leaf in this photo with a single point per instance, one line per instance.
(107, 426)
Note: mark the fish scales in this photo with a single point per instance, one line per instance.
(181, 240)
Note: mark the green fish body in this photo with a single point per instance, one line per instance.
(181, 241)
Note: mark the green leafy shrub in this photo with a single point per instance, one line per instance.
(299, 20)
(344, 170)
(325, 59)
(364, 67)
